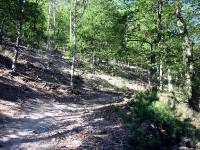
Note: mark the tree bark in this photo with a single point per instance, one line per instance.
(48, 26)
(1, 30)
(93, 61)
(187, 56)
(169, 77)
(161, 75)
(18, 39)
(74, 49)
(153, 64)
(70, 36)
(54, 26)
(156, 41)
(149, 75)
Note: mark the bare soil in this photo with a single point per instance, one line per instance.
(38, 109)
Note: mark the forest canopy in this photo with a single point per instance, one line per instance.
(158, 39)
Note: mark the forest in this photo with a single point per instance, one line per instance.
(100, 74)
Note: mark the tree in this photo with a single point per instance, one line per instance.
(191, 86)
(101, 31)
(19, 32)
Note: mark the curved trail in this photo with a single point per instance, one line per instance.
(38, 111)
(47, 124)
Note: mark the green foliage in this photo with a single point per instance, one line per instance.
(59, 25)
(30, 14)
(154, 124)
(111, 30)
(119, 112)
(100, 29)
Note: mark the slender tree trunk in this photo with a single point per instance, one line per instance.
(171, 98)
(93, 61)
(187, 55)
(161, 75)
(169, 77)
(48, 26)
(70, 36)
(156, 41)
(153, 64)
(149, 75)
(54, 26)
(18, 39)
(74, 49)
(16, 52)
(1, 30)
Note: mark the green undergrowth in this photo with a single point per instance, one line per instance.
(153, 123)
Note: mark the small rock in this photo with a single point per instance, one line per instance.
(35, 132)
(25, 80)
(54, 87)
(185, 148)
(13, 73)
(186, 142)
(53, 140)
(39, 65)
(197, 146)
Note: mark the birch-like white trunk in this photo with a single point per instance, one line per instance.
(18, 39)
(74, 49)
(16, 52)
(93, 62)
(169, 77)
(70, 33)
(161, 76)
(54, 26)
(48, 26)
(149, 76)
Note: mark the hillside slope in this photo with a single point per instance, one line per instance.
(40, 111)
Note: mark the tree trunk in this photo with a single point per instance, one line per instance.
(1, 30)
(48, 26)
(149, 75)
(54, 27)
(70, 36)
(153, 64)
(74, 49)
(93, 61)
(16, 52)
(156, 41)
(161, 75)
(18, 39)
(187, 55)
(169, 77)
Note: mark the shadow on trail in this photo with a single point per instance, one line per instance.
(52, 111)
(13, 91)
(107, 132)
(34, 130)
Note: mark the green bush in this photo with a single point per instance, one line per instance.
(154, 125)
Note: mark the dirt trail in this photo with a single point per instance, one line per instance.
(33, 124)
(39, 111)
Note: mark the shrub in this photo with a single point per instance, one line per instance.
(154, 125)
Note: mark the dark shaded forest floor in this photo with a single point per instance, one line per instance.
(38, 110)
